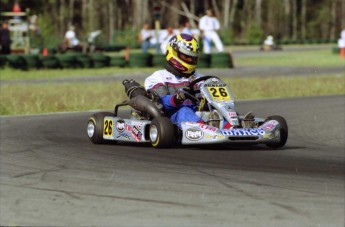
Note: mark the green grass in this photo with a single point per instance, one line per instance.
(308, 58)
(45, 98)
(315, 58)
(13, 74)
(31, 98)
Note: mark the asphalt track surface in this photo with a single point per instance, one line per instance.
(51, 174)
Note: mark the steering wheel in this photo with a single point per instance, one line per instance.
(197, 80)
(191, 92)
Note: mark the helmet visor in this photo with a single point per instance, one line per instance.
(187, 58)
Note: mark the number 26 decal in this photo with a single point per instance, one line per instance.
(108, 128)
(219, 93)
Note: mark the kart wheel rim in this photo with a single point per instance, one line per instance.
(153, 133)
(90, 129)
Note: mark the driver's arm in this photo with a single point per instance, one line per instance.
(154, 82)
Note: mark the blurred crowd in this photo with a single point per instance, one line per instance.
(207, 31)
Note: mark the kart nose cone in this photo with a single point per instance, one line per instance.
(153, 133)
(90, 129)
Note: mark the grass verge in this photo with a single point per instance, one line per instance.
(313, 58)
(45, 98)
(13, 74)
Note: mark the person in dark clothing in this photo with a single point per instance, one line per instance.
(5, 40)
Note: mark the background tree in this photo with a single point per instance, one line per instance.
(241, 20)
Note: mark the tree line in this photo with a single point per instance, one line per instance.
(241, 20)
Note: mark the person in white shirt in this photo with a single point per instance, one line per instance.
(341, 44)
(185, 28)
(147, 40)
(165, 40)
(209, 25)
(179, 71)
(71, 38)
(269, 41)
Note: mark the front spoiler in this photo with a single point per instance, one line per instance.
(129, 130)
(195, 133)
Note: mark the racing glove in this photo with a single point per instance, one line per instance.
(179, 97)
(183, 94)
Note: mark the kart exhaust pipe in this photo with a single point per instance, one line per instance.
(138, 98)
(143, 104)
(133, 88)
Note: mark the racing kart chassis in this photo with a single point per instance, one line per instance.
(148, 123)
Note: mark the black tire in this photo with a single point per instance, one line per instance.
(283, 132)
(32, 61)
(16, 61)
(138, 60)
(204, 61)
(96, 121)
(99, 60)
(49, 61)
(84, 61)
(164, 131)
(158, 60)
(117, 61)
(67, 60)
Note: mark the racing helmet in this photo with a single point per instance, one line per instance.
(182, 54)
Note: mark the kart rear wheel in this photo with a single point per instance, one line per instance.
(283, 132)
(95, 127)
(162, 132)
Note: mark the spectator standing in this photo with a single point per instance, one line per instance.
(146, 39)
(165, 41)
(209, 25)
(341, 44)
(5, 39)
(185, 28)
(33, 26)
(71, 42)
(71, 38)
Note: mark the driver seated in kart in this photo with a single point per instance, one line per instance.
(171, 82)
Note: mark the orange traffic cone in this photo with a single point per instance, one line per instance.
(342, 52)
(45, 52)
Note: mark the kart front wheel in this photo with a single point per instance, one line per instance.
(162, 132)
(283, 132)
(95, 127)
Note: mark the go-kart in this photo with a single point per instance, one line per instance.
(147, 122)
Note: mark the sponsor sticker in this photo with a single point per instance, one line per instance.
(194, 134)
(232, 114)
(136, 132)
(270, 125)
(214, 137)
(268, 136)
(234, 121)
(191, 123)
(208, 128)
(124, 135)
(243, 132)
(120, 125)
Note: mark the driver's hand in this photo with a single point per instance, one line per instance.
(179, 97)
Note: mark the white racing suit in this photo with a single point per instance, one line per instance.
(166, 85)
(209, 26)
